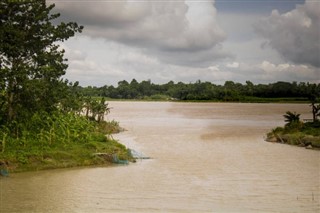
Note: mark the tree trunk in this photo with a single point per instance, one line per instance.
(10, 100)
(314, 111)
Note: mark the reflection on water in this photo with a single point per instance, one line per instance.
(207, 157)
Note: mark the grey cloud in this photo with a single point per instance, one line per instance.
(295, 35)
(177, 32)
(101, 13)
(200, 58)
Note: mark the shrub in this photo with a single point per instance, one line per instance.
(58, 140)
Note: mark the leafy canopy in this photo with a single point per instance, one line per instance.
(31, 62)
(291, 117)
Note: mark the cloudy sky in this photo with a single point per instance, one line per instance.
(262, 41)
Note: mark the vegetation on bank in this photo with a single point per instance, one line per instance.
(295, 132)
(58, 140)
(44, 121)
(300, 134)
(206, 91)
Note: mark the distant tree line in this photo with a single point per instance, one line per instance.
(230, 91)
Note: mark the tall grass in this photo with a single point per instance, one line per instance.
(297, 133)
(57, 140)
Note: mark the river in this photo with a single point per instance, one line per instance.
(206, 157)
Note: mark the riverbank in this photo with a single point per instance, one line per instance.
(299, 134)
(69, 156)
(70, 143)
(246, 99)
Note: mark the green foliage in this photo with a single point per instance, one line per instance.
(292, 119)
(31, 63)
(95, 109)
(312, 128)
(58, 140)
(158, 97)
(296, 132)
(109, 127)
(277, 130)
(40, 114)
(230, 91)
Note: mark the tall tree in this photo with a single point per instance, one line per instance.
(31, 62)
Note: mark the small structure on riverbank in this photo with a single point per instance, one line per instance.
(137, 155)
(4, 168)
(112, 158)
(4, 172)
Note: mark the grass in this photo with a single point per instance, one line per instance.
(62, 157)
(298, 133)
(63, 141)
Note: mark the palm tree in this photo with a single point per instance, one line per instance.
(103, 109)
(291, 117)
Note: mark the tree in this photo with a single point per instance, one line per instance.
(281, 89)
(315, 112)
(94, 109)
(315, 108)
(103, 110)
(313, 97)
(249, 88)
(31, 63)
(291, 117)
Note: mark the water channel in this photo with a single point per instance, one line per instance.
(206, 157)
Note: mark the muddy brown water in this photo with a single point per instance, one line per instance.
(206, 157)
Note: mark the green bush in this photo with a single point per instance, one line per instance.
(293, 127)
(57, 140)
(297, 133)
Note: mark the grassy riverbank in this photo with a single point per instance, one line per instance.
(59, 141)
(297, 133)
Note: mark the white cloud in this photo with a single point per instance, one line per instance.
(214, 68)
(233, 65)
(295, 35)
(264, 72)
(176, 32)
(267, 71)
